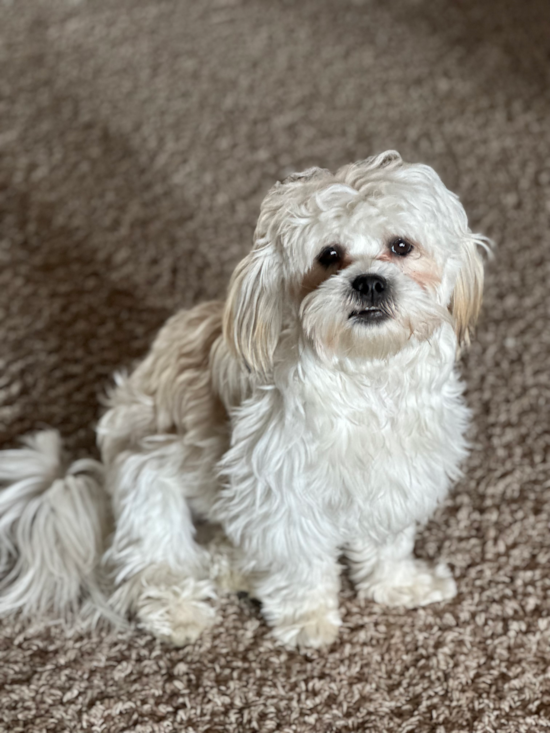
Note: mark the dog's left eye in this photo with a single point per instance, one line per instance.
(401, 247)
(331, 255)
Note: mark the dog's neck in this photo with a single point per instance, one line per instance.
(424, 364)
(420, 367)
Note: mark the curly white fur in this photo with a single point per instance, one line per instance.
(306, 418)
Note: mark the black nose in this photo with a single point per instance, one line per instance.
(373, 288)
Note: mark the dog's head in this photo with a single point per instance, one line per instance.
(361, 263)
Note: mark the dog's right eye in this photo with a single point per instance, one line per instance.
(331, 255)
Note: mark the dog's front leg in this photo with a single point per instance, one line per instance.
(289, 557)
(287, 541)
(390, 574)
(300, 599)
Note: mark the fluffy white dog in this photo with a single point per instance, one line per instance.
(316, 413)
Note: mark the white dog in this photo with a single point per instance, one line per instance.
(316, 413)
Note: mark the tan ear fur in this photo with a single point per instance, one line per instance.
(468, 293)
(253, 311)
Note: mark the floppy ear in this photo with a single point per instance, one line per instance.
(253, 313)
(468, 293)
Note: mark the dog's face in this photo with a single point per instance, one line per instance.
(362, 263)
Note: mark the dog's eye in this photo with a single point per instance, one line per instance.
(331, 255)
(401, 247)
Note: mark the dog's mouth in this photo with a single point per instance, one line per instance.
(369, 315)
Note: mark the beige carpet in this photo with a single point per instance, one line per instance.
(137, 139)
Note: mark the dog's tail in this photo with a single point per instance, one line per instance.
(53, 522)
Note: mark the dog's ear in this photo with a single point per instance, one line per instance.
(468, 292)
(253, 311)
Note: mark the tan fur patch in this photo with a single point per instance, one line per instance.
(419, 266)
(317, 275)
(468, 294)
(428, 276)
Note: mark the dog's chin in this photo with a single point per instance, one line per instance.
(361, 335)
(366, 334)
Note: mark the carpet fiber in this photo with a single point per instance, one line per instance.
(137, 139)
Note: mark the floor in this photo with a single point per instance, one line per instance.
(137, 139)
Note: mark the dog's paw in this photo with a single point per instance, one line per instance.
(315, 629)
(410, 583)
(176, 614)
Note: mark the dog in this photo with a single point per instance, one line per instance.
(317, 413)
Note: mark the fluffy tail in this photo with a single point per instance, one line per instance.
(53, 522)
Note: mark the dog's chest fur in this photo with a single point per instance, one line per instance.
(355, 452)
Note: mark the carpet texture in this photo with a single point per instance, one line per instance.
(137, 139)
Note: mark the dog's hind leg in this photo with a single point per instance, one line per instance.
(160, 442)
(160, 572)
